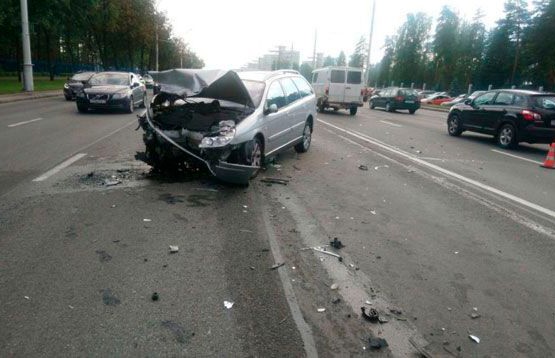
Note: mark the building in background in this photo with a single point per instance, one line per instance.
(279, 58)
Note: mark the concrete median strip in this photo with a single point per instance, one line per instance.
(513, 198)
(60, 166)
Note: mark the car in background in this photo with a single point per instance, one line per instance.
(511, 116)
(149, 82)
(394, 98)
(425, 93)
(338, 88)
(436, 99)
(230, 122)
(75, 84)
(112, 90)
(461, 98)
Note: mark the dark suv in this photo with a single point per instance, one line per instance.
(393, 98)
(512, 116)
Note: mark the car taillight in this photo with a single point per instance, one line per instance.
(400, 98)
(530, 116)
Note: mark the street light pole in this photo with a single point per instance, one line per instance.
(370, 42)
(156, 48)
(27, 64)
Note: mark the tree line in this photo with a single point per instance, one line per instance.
(518, 51)
(86, 34)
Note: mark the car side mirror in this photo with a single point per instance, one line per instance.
(468, 101)
(273, 108)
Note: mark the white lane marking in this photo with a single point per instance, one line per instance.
(25, 122)
(60, 166)
(462, 178)
(516, 156)
(392, 124)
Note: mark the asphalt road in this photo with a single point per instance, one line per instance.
(437, 229)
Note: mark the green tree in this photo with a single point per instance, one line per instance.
(329, 61)
(306, 71)
(445, 46)
(341, 59)
(359, 54)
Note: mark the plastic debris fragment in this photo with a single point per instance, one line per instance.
(174, 249)
(228, 304)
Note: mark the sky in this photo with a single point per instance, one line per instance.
(231, 33)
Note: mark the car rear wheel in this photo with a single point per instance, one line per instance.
(412, 111)
(303, 146)
(454, 125)
(131, 105)
(353, 111)
(372, 105)
(506, 137)
(82, 108)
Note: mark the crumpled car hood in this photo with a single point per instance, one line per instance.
(217, 84)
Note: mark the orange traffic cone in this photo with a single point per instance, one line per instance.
(550, 159)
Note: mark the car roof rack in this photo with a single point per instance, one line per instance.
(281, 72)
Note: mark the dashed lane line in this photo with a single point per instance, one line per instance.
(60, 166)
(25, 122)
(516, 156)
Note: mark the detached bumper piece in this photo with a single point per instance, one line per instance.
(233, 173)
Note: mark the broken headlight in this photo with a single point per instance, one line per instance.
(224, 137)
(119, 95)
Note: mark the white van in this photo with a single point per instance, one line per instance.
(338, 88)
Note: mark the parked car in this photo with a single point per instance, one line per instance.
(75, 84)
(512, 116)
(227, 121)
(436, 99)
(338, 88)
(425, 93)
(394, 98)
(112, 90)
(461, 98)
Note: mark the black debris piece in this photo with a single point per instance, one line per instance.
(336, 300)
(180, 334)
(275, 181)
(372, 315)
(155, 296)
(377, 343)
(103, 256)
(363, 167)
(336, 244)
(278, 265)
(90, 175)
(109, 298)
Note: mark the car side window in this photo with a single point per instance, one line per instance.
(354, 77)
(275, 95)
(303, 86)
(486, 98)
(519, 100)
(291, 91)
(504, 99)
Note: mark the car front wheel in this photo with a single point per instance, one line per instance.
(130, 105)
(303, 146)
(253, 154)
(82, 108)
(353, 111)
(454, 125)
(372, 105)
(506, 137)
(388, 107)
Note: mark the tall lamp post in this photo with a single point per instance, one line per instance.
(27, 65)
(370, 42)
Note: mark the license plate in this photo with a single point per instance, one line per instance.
(409, 101)
(98, 101)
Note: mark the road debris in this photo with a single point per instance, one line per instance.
(103, 256)
(228, 304)
(321, 310)
(368, 303)
(372, 315)
(474, 338)
(155, 296)
(147, 220)
(395, 311)
(377, 343)
(336, 244)
(318, 249)
(109, 298)
(381, 166)
(275, 181)
(373, 212)
(336, 300)
(27, 297)
(363, 167)
(71, 307)
(111, 182)
(113, 206)
(277, 265)
(475, 315)
(174, 249)
(334, 286)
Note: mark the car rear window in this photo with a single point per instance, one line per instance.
(256, 90)
(337, 76)
(545, 102)
(354, 77)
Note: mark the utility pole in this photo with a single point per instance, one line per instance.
(27, 64)
(156, 47)
(314, 52)
(370, 43)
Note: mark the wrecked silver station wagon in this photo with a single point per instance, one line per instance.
(229, 121)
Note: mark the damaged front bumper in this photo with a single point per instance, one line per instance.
(229, 172)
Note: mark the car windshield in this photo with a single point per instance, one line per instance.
(256, 90)
(118, 79)
(545, 102)
(81, 76)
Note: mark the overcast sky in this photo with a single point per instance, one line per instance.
(231, 33)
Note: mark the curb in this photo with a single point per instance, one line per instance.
(26, 97)
(436, 109)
